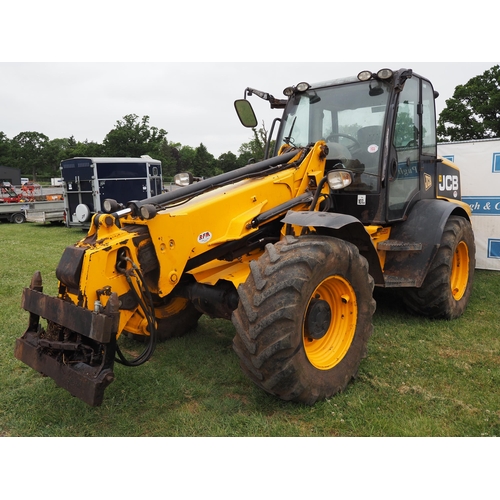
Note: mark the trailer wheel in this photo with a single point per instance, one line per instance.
(18, 218)
(304, 318)
(446, 289)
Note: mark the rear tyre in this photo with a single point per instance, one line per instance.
(446, 289)
(304, 318)
(177, 318)
(183, 318)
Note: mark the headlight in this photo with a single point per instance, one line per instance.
(302, 87)
(364, 75)
(339, 179)
(183, 179)
(384, 74)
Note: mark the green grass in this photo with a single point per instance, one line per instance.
(421, 377)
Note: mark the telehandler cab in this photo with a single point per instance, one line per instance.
(289, 248)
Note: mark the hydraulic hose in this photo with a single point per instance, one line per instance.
(145, 301)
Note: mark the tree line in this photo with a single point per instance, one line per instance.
(472, 113)
(39, 157)
(474, 110)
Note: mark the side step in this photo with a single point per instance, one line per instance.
(399, 246)
(399, 282)
(399, 274)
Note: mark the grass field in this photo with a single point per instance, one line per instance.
(421, 377)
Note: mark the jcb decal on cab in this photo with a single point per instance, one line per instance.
(448, 182)
(204, 237)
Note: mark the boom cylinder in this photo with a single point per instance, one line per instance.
(212, 182)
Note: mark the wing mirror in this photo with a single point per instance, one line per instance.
(245, 113)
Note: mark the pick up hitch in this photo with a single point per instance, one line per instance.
(76, 349)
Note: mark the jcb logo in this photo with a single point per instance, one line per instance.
(448, 183)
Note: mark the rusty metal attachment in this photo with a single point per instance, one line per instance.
(77, 347)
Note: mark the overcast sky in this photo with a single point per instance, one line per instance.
(193, 102)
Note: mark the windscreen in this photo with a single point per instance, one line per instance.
(350, 118)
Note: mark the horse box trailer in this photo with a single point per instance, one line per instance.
(89, 181)
(479, 162)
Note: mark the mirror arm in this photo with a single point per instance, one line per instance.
(275, 103)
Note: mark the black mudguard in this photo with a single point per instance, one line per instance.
(424, 226)
(343, 227)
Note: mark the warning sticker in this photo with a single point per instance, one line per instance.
(204, 237)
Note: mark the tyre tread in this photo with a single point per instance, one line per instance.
(268, 313)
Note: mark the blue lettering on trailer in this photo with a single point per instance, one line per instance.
(483, 205)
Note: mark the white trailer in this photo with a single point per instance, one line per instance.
(89, 181)
(13, 212)
(45, 211)
(479, 163)
(33, 211)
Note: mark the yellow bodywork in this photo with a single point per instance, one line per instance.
(188, 229)
(183, 231)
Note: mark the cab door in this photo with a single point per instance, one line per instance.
(403, 173)
(414, 148)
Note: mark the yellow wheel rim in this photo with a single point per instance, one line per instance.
(326, 352)
(460, 271)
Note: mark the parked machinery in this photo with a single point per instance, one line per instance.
(289, 248)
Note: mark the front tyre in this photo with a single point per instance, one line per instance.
(304, 318)
(446, 289)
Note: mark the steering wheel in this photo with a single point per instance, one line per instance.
(354, 147)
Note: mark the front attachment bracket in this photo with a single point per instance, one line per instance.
(77, 348)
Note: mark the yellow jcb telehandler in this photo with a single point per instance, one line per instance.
(289, 248)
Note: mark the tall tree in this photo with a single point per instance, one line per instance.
(85, 148)
(254, 149)
(134, 137)
(228, 162)
(187, 156)
(54, 152)
(27, 150)
(4, 149)
(170, 158)
(474, 110)
(204, 162)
